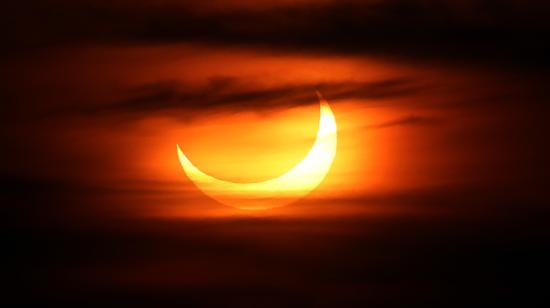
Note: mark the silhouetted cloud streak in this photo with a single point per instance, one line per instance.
(408, 120)
(236, 94)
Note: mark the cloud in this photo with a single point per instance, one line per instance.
(238, 94)
(407, 257)
(487, 30)
(408, 120)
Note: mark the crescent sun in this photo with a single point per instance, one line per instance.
(303, 178)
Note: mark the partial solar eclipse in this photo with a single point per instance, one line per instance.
(293, 185)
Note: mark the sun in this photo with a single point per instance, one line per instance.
(303, 178)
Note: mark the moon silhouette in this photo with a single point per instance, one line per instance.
(292, 185)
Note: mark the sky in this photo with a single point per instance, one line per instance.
(437, 195)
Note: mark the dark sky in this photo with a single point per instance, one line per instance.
(438, 196)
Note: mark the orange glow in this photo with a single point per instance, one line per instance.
(235, 143)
